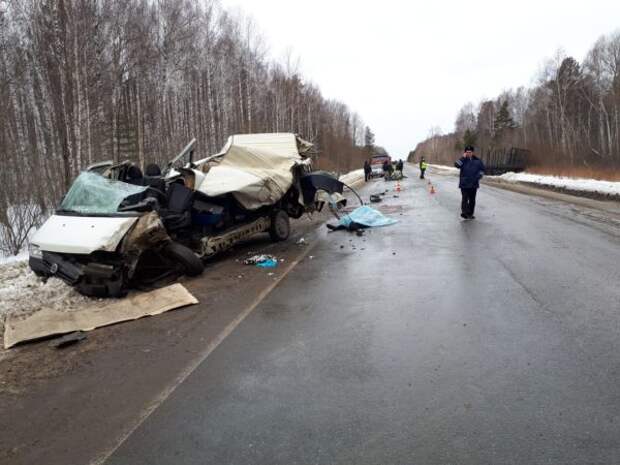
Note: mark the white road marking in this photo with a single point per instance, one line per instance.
(189, 369)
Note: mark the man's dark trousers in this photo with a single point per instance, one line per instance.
(468, 202)
(422, 173)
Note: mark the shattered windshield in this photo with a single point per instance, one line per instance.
(91, 193)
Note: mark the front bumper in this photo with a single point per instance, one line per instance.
(52, 264)
(90, 278)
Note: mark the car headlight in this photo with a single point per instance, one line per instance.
(35, 251)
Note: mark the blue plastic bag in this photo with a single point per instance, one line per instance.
(271, 263)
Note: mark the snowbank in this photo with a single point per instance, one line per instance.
(352, 177)
(4, 260)
(609, 188)
(21, 218)
(22, 292)
(443, 169)
(592, 186)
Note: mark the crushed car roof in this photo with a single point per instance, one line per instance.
(255, 168)
(282, 144)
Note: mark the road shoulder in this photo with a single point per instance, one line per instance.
(71, 405)
(610, 206)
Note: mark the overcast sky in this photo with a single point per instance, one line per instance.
(405, 66)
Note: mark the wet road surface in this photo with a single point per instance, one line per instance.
(434, 341)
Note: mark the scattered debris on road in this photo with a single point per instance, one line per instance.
(68, 339)
(262, 261)
(268, 264)
(375, 198)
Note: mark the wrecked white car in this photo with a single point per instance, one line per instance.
(117, 228)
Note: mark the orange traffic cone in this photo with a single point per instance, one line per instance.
(432, 189)
(397, 186)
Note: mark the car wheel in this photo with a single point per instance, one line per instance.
(280, 226)
(191, 263)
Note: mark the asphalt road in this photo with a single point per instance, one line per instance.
(434, 341)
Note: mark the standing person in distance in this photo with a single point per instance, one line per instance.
(471, 171)
(367, 170)
(423, 167)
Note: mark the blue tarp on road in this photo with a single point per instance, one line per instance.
(366, 216)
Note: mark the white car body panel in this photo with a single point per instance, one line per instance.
(199, 177)
(255, 168)
(82, 234)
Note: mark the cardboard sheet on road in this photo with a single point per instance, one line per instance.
(48, 322)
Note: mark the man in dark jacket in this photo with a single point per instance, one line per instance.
(387, 170)
(367, 170)
(472, 170)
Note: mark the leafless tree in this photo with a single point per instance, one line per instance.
(569, 119)
(88, 80)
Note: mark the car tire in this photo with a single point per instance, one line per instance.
(280, 227)
(191, 263)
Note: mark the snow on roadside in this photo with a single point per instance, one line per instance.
(611, 188)
(23, 256)
(352, 177)
(444, 169)
(18, 221)
(574, 184)
(23, 293)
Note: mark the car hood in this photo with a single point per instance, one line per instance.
(82, 234)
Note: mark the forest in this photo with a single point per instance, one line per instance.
(83, 81)
(569, 120)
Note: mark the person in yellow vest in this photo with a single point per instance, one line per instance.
(423, 167)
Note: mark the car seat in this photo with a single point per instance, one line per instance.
(177, 213)
(134, 176)
(154, 180)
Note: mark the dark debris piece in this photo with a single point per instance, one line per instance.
(69, 339)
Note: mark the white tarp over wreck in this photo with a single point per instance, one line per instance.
(256, 168)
